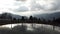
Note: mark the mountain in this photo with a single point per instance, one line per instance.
(7, 15)
(49, 16)
(18, 16)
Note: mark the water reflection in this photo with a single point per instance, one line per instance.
(29, 28)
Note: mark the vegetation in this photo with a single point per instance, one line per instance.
(7, 19)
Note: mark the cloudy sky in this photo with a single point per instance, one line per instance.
(29, 7)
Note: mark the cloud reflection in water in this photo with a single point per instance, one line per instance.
(28, 28)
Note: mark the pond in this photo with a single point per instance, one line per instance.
(25, 28)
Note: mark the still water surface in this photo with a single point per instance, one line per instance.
(31, 27)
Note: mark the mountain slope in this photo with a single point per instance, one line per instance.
(49, 16)
(12, 15)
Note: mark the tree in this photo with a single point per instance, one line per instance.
(34, 18)
(44, 20)
(22, 18)
(54, 23)
(14, 18)
(39, 20)
(31, 18)
(53, 19)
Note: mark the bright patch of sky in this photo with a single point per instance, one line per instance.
(29, 7)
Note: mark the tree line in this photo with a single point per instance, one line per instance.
(7, 19)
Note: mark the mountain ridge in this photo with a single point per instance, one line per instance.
(49, 16)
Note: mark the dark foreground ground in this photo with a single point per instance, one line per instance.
(23, 30)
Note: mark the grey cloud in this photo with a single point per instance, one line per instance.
(22, 9)
(36, 6)
(55, 6)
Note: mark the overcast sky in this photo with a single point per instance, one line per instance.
(29, 7)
